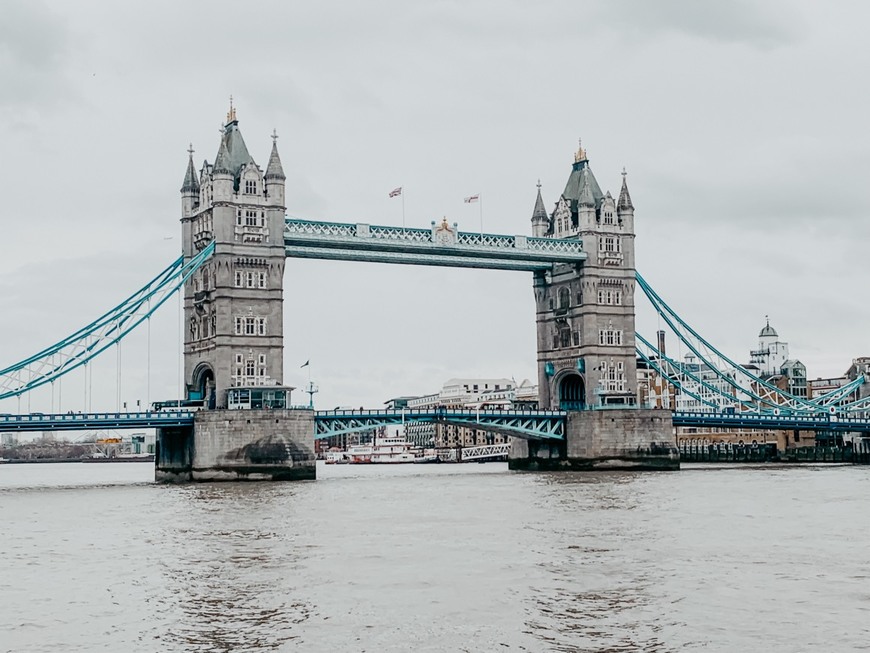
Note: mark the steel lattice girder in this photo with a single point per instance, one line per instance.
(485, 451)
(534, 425)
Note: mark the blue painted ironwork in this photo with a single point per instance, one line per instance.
(818, 422)
(88, 342)
(675, 374)
(95, 421)
(532, 424)
(441, 245)
(748, 390)
(528, 424)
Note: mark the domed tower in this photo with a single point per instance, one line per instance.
(233, 312)
(771, 352)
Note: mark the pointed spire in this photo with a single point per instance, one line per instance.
(586, 197)
(191, 181)
(540, 212)
(231, 114)
(624, 198)
(581, 153)
(222, 160)
(274, 170)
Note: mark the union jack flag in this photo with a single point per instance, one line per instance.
(472, 198)
(396, 191)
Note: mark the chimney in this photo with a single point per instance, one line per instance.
(660, 338)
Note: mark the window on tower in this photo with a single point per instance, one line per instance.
(609, 337)
(250, 187)
(610, 244)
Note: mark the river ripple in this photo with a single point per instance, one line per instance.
(436, 558)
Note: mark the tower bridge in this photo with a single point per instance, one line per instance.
(235, 240)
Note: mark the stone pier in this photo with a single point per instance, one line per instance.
(239, 445)
(637, 439)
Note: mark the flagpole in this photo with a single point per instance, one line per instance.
(403, 207)
(480, 202)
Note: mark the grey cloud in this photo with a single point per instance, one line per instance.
(34, 44)
(707, 104)
(761, 25)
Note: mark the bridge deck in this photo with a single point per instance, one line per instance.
(747, 420)
(94, 421)
(535, 424)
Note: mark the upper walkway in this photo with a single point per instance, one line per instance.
(442, 245)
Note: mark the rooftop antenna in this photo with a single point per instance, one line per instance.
(311, 389)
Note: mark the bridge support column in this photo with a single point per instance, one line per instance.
(239, 445)
(637, 439)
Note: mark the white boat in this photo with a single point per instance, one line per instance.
(336, 457)
(383, 450)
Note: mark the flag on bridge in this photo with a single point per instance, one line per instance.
(472, 198)
(304, 364)
(396, 192)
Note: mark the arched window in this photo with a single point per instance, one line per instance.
(564, 298)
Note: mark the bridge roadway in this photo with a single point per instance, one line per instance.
(94, 421)
(529, 424)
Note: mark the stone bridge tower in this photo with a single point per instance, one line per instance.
(586, 355)
(585, 313)
(233, 318)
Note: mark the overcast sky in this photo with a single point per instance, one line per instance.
(743, 127)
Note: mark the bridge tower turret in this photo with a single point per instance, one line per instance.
(190, 188)
(540, 221)
(233, 317)
(585, 313)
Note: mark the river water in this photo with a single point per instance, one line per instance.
(436, 558)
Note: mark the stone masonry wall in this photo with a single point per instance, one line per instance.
(604, 439)
(253, 445)
(622, 438)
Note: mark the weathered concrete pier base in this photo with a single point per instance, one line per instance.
(637, 439)
(239, 445)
